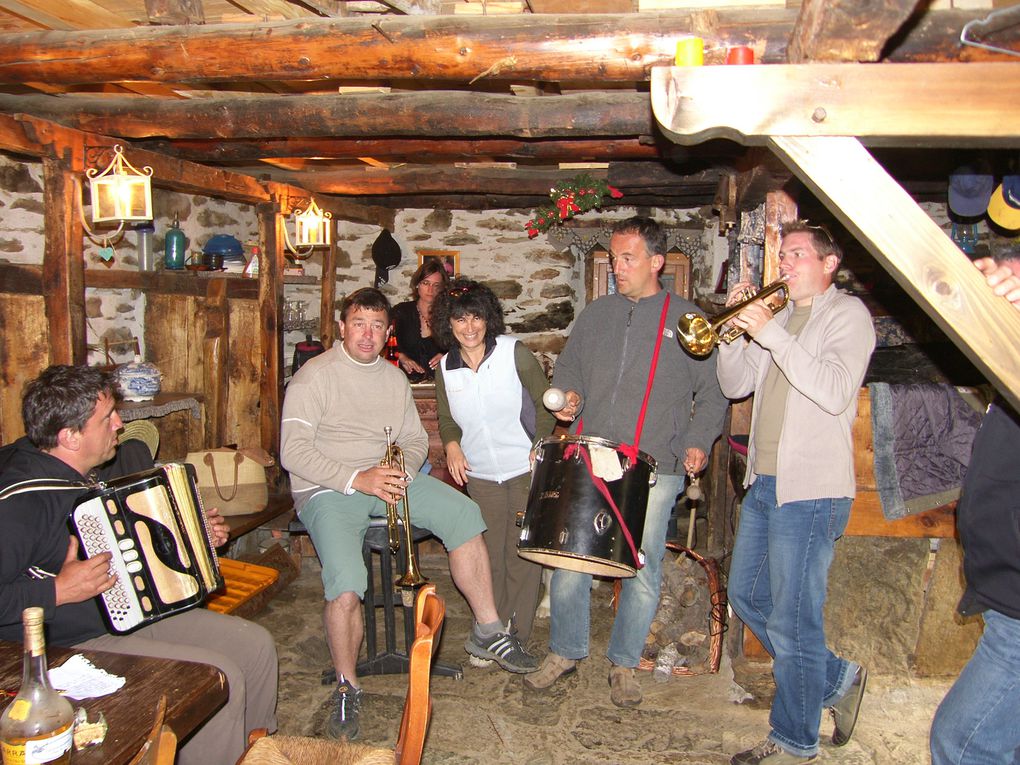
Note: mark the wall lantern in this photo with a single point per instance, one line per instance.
(120, 192)
(312, 228)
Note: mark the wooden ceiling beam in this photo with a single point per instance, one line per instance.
(846, 30)
(913, 249)
(449, 114)
(562, 150)
(514, 48)
(895, 105)
(643, 177)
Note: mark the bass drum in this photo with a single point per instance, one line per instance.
(568, 522)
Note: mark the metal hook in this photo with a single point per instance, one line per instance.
(985, 26)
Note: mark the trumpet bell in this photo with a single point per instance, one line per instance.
(696, 334)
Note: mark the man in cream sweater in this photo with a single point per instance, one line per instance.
(333, 439)
(804, 367)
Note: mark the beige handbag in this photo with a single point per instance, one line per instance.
(232, 480)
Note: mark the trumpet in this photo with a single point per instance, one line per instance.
(699, 335)
(412, 576)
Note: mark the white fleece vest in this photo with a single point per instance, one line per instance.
(487, 406)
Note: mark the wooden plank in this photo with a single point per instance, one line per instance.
(78, 14)
(846, 30)
(913, 249)
(243, 378)
(973, 105)
(24, 353)
(780, 208)
(193, 283)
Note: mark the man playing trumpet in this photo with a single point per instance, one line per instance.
(335, 415)
(804, 365)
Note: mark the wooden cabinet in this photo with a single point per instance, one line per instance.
(675, 276)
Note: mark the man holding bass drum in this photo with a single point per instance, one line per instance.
(628, 382)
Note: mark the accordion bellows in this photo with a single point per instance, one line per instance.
(154, 526)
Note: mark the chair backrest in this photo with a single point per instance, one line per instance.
(160, 747)
(429, 612)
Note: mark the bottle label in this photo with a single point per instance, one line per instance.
(40, 750)
(49, 749)
(20, 709)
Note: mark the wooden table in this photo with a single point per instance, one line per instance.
(193, 693)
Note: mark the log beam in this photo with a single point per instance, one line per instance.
(895, 105)
(913, 249)
(506, 149)
(448, 114)
(63, 264)
(511, 48)
(846, 30)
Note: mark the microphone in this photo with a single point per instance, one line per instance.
(554, 399)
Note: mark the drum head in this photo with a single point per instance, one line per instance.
(582, 563)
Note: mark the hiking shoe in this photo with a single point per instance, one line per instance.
(503, 648)
(345, 704)
(845, 711)
(553, 668)
(768, 752)
(624, 690)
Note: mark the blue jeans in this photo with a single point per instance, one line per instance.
(977, 722)
(777, 585)
(570, 592)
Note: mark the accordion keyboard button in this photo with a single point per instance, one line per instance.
(126, 544)
(129, 555)
(134, 567)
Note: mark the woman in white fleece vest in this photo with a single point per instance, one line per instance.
(489, 391)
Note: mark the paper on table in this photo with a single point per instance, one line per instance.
(79, 678)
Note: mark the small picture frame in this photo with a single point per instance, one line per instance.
(449, 258)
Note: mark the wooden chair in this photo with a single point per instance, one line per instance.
(160, 747)
(430, 610)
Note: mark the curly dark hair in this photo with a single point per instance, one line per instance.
(368, 298)
(464, 297)
(425, 270)
(63, 396)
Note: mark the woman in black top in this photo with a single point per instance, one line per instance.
(418, 353)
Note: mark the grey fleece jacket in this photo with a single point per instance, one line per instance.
(825, 365)
(607, 359)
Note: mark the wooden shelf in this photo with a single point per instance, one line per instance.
(163, 404)
(170, 283)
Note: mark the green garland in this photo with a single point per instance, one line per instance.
(578, 195)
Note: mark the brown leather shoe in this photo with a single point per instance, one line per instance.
(553, 667)
(624, 690)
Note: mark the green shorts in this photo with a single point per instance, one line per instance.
(337, 524)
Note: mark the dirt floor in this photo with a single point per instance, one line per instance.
(489, 716)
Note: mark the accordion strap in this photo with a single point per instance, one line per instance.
(41, 484)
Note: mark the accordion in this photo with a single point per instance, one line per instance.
(154, 525)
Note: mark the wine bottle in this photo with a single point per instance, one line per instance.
(36, 728)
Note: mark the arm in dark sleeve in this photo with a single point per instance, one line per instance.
(535, 382)
(449, 430)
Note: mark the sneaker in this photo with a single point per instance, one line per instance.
(845, 711)
(345, 703)
(624, 690)
(503, 648)
(768, 752)
(553, 668)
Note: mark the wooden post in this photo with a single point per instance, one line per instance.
(327, 294)
(63, 264)
(270, 308)
(217, 334)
